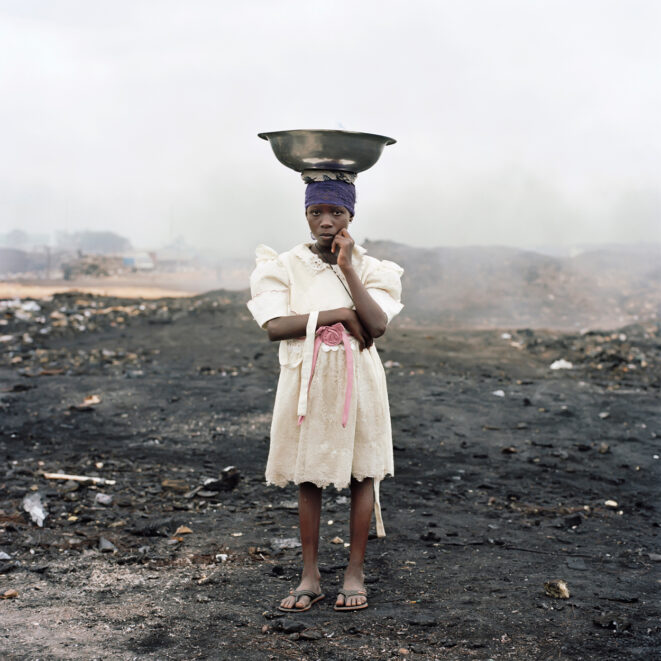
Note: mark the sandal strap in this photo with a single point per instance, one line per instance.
(353, 593)
(305, 593)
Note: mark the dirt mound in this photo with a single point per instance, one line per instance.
(494, 287)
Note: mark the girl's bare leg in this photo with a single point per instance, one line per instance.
(362, 504)
(309, 513)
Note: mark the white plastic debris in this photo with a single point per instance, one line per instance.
(611, 503)
(505, 336)
(498, 393)
(4, 556)
(561, 364)
(285, 543)
(103, 499)
(35, 508)
(6, 338)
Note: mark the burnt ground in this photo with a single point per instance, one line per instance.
(495, 494)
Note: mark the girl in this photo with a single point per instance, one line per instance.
(326, 302)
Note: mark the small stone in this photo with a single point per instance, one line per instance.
(557, 589)
(576, 563)
(612, 621)
(310, 634)
(174, 485)
(106, 546)
(573, 521)
(422, 620)
(292, 626)
(103, 499)
(429, 536)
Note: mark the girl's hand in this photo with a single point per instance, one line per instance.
(345, 243)
(353, 324)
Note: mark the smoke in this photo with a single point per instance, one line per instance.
(517, 123)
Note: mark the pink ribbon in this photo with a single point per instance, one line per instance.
(333, 336)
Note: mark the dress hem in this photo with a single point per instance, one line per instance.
(282, 481)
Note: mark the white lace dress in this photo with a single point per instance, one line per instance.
(320, 450)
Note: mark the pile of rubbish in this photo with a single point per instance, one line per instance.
(24, 323)
(97, 266)
(636, 347)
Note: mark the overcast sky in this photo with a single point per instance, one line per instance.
(518, 122)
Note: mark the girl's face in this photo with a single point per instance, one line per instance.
(326, 220)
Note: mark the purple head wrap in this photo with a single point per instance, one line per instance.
(335, 192)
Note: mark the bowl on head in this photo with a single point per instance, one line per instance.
(348, 151)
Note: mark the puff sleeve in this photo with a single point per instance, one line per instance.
(269, 287)
(383, 282)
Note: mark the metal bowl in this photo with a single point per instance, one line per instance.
(348, 151)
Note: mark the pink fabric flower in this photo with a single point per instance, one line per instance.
(331, 335)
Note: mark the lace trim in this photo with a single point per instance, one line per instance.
(281, 480)
(316, 264)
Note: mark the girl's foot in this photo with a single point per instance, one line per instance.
(353, 582)
(311, 585)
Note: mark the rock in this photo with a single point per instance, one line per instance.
(103, 499)
(573, 521)
(290, 626)
(612, 621)
(430, 536)
(6, 567)
(70, 486)
(557, 589)
(106, 546)
(422, 620)
(228, 480)
(174, 485)
(152, 527)
(311, 634)
(576, 563)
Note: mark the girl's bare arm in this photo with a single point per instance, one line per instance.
(369, 312)
(294, 326)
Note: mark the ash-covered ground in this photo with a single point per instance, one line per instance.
(510, 474)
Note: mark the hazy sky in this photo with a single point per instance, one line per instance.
(518, 122)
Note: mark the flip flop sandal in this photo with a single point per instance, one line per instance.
(351, 593)
(314, 598)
